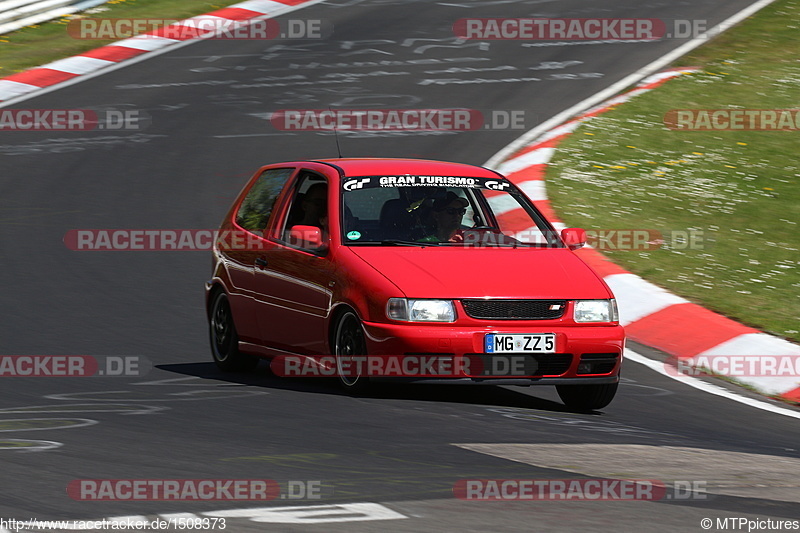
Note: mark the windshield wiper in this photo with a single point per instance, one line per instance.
(399, 242)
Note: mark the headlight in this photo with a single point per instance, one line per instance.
(596, 311)
(421, 310)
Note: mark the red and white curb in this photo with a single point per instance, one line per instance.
(113, 54)
(650, 314)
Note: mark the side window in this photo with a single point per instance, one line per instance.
(253, 214)
(308, 205)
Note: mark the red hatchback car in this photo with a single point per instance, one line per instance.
(347, 259)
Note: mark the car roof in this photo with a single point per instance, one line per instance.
(394, 167)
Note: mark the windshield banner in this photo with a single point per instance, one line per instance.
(374, 182)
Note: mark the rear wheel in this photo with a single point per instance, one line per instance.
(224, 340)
(349, 341)
(587, 397)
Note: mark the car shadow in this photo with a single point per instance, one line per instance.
(491, 395)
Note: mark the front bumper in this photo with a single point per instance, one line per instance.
(583, 354)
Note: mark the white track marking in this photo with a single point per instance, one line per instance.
(313, 514)
(33, 446)
(14, 87)
(267, 7)
(81, 422)
(755, 344)
(534, 189)
(78, 64)
(145, 42)
(539, 156)
(84, 408)
(710, 388)
(629, 290)
(111, 396)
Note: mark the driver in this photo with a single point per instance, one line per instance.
(447, 213)
(315, 205)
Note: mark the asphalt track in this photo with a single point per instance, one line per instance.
(403, 448)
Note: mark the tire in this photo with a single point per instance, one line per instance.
(224, 340)
(349, 340)
(587, 397)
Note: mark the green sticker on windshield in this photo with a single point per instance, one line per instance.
(353, 235)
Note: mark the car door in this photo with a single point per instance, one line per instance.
(244, 244)
(293, 282)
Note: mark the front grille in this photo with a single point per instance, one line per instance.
(533, 364)
(515, 309)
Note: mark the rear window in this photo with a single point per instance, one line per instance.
(256, 208)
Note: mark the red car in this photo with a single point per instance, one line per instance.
(401, 261)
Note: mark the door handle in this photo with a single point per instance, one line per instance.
(261, 262)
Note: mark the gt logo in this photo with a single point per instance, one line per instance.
(355, 184)
(496, 185)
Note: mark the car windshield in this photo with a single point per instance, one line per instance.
(411, 210)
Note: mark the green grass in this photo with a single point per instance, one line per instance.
(36, 45)
(626, 169)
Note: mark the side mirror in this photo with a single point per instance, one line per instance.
(306, 236)
(574, 238)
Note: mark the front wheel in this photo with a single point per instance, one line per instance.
(350, 342)
(224, 340)
(587, 397)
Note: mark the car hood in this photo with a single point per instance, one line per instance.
(455, 272)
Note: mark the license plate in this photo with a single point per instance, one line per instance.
(520, 343)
